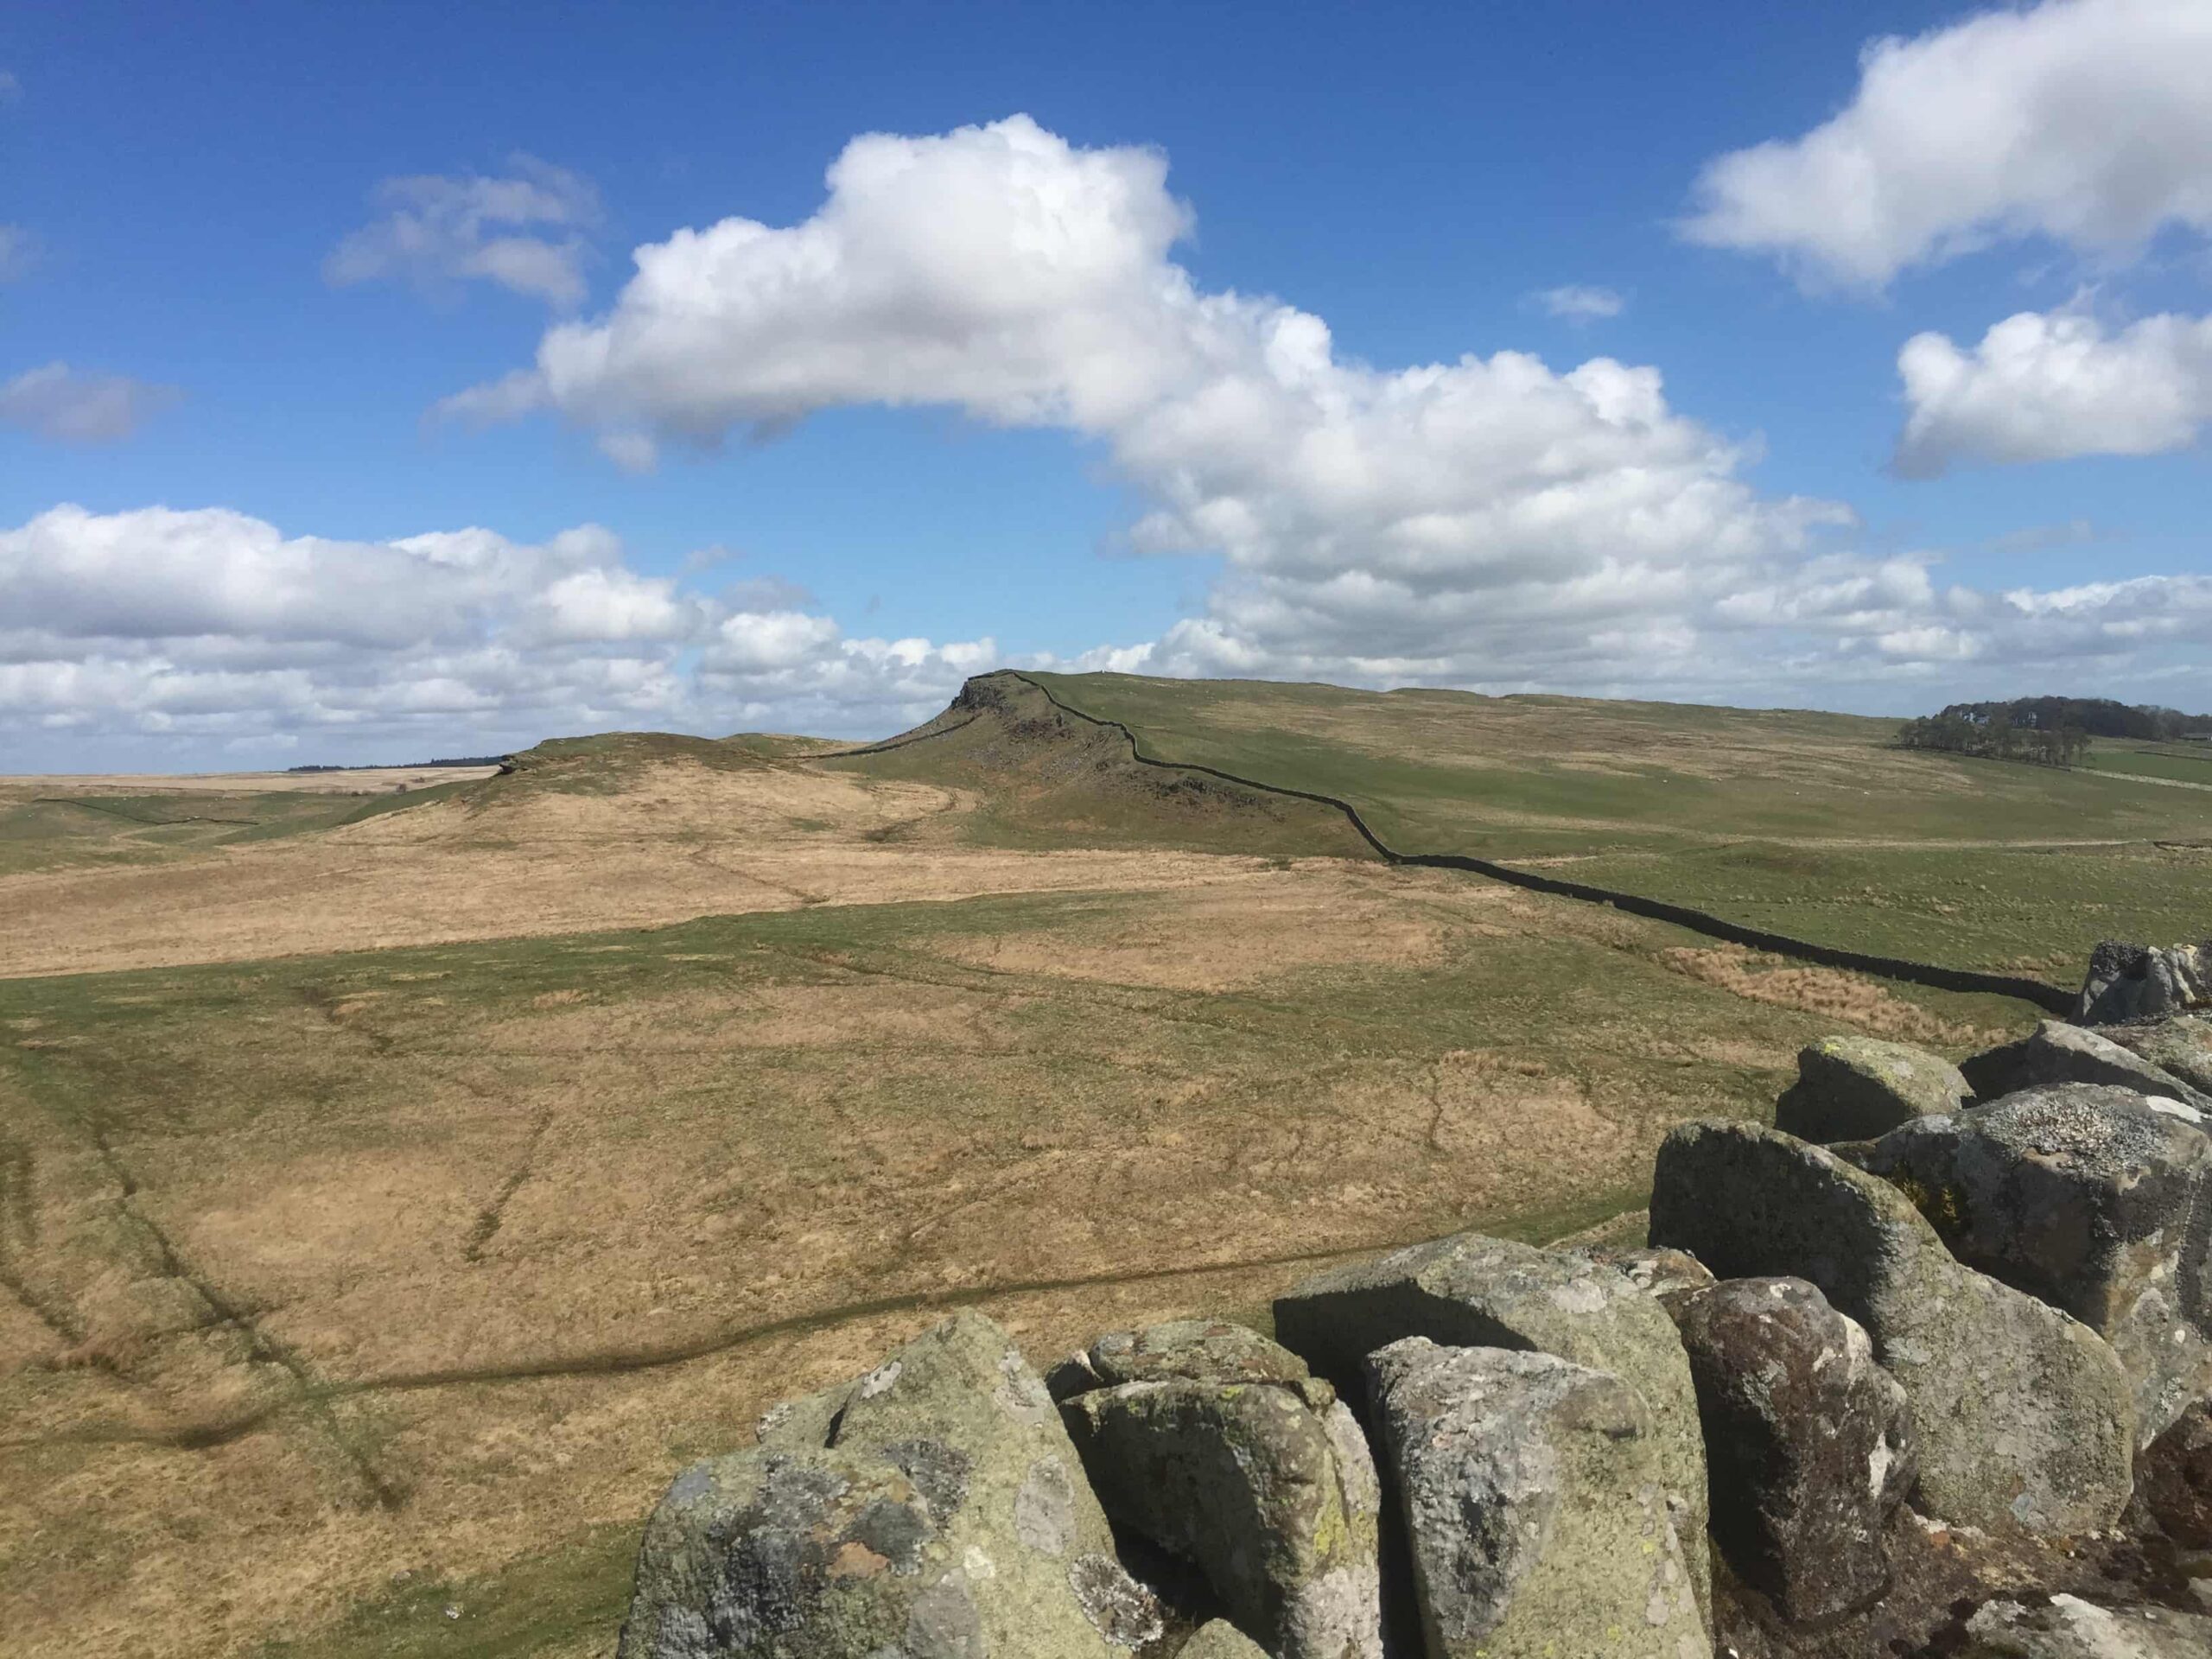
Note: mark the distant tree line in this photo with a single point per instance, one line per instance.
(1996, 735)
(412, 765)
(2048, 731)
(2097, 717)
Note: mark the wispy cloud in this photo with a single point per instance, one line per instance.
(69, 406)
(1580, 303)
(527, 232)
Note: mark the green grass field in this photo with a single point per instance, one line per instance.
(1811, 824)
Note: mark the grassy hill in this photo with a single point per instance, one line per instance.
(1806, 823)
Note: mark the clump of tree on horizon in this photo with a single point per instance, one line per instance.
(2047, 731)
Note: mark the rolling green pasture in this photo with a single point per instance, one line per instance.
(1812, 824)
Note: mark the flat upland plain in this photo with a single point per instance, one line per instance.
(391, 1201)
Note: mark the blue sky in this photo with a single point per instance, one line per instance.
(1019, 395)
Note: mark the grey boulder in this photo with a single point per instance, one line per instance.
(2067, 1627)
(1856, 1088)
(2090, 1199)
(1220, 1448)
(1472, 1291)
(2141, 982)
(2179, 1044)
(1809, 1441)
(1535, 1507)
(2057, 1053)
(2023, 1414)
(942, 1515)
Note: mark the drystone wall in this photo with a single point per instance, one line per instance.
(1925, 1371)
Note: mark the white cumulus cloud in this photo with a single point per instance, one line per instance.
(2084, 121)
(215, 632)
(1420, 514)
(69, 406)
(2044, 386)
(528, 231)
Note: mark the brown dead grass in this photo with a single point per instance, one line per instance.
(1849, 999)
(686, 841)
(370, 780)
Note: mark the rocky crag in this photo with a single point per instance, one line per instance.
(1926, 1370)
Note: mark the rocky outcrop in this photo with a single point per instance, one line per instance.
(1219, 1448)
(1857, 1088)
(2067, 1627)
(2091, 1199)
(1809, 1441)
(2141, 982)
(943, 1514)
(2024, 1414)
(2180, 1045)
(1472, 1291)
(1534, 1508)
(2056, 1052)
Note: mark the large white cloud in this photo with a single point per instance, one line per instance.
(2086, 121)
(2044, 386)
(1489, 520)
(1002, 271)
(68, 405)
(528, 233)
(218, 634)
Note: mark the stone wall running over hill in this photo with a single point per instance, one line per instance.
(1943, 1388)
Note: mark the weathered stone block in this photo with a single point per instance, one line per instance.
(2024, 1414)
(2056, 1052)
(1535, 1507)
(1472, 1291)
(1856, 1088)
(2090, 1199)
(947, 1516)
(2139, 981)
(1218, 1446)
(1808, 1441)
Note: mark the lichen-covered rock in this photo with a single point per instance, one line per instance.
(2067, 1627)
(2056, 1052)
(2023, 1414)
(1808, 1441)
(1219, 1446)
(2173, 1478)
(2180, 1045)
(1857, 1088)
(1472, 1291)
(1219, 1639)
(1533, 1505)
(1213, 1351)
(1668, 1275)
(2090, 1199)
(2139, 981)
(944, 1514)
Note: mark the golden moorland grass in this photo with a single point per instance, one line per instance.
(358, 1301)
